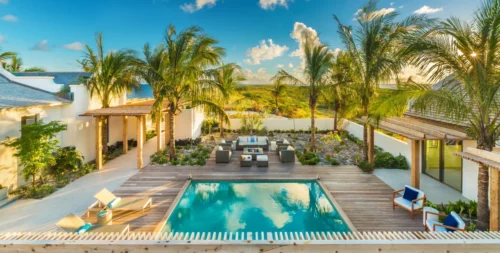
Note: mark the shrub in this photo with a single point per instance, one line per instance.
(365, 166)
(385, 160)
(188, 141)
(68, 160)
(150, 134)
(35, 192)
(401, 162)
(175, 162)
(159, 157)
(309, 158)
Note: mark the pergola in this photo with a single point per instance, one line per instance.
(139, 110)
(492, 160)
(416, 131)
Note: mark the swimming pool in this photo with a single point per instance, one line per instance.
(254, 206)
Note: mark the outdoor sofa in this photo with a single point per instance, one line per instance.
(252, 142)
(107, 198)
(223, 154)
(412, 199)
(74, 224)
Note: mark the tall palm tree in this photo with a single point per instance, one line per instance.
(224, 80)
(277, 91)
(187, 55)
(6, 55)
(112, 74)
(340, 93)
(373, 46)
(318, 61)
(464, 57)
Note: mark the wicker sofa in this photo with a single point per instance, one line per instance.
(222, 155)
(252, 142)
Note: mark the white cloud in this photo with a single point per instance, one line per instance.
(264, 52)
(428, 10)
(258, 77)
(271, 4)
(280, 66)
(2, 38)
(301, 33)
(198, 5)
(358, 12)
(10, 18)
(41, 46)
(392, 3)
(4, 1)
(290, 65)
(75, 46)
(384, 11)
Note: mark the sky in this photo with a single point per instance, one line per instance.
(261, 36)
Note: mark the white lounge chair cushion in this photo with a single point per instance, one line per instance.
(407, 204)
(223, 141)
(262, 158)
(243, 139)
(246, 157)
(461, 223)
(262, 140)
(290, 148)
(430, 225)
(219, 148)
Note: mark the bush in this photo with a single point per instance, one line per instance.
(35, 192)
(388, 161)
(308, 158)
(365, 166)
(401, 162)
(175, 162)
(159, 157)
(68, 160)
(189, 141)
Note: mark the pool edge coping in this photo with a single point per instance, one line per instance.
(161, 224)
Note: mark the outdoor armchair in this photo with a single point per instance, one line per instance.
(74, 224)
(451, 223)
(222, 155)
(412, 199)
(107, 198)
(287, 155)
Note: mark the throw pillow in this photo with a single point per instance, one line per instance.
(410, 194)
(451, 222)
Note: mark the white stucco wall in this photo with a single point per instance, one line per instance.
(289, 124)
(470, 172)
(188, 123)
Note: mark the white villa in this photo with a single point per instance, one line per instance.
(30, 97)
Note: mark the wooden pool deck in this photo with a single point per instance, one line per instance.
(363, 197)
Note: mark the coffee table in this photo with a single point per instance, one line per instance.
(254, 152)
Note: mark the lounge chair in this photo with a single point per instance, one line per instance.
(412, 200)
(222, 156)
(106, 198)
(287, 155)
(451, 223)
(74, 224)
(227, 144)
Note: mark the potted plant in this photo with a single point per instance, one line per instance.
(3, 192)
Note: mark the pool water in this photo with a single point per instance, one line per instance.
(254, 206)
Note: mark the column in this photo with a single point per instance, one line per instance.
(140, 141)
(125, 139)
(494, 199)
(415, 163)
(98, 143)
(144, 128)
(158, 132)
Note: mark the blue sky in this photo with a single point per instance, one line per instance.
(50, 33)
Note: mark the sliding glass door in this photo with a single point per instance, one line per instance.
(440, 163)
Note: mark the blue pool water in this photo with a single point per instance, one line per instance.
(254, 206)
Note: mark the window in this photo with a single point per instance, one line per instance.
(440, 162)
(26, 120)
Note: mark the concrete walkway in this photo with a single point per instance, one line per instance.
(42, 214)
(436, 192)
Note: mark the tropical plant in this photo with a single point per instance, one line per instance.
(35, 148)
(277, 91)
(318, 61)
(251, 123)
(464, 57)
(6, 55)
(111, 75)
(187, 55)
(15, 64)
(373, 47)
(224, 81)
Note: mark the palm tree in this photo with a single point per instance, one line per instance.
(318, 61)
(6, 55)
(373, 47)
(465, 58)
(340, 94)
(277, 91)
(187, 55)
(224, 80)
(111, 75)
(15, 64)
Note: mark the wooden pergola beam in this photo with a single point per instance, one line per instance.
(494, 199)
(425, 130)
(442, 129)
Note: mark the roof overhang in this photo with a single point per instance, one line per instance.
(140, 108)
(490, 159)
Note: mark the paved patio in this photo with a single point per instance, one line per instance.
(42, 214)
(437, 192)
(363, 197)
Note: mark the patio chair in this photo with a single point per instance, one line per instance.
(412, 200)
(74, 224)
(107, 198)
(282, 145)
(451, 223)
(287, 155)
(222, 155)
(227, 144)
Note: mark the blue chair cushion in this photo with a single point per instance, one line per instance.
(451, 222)
(410, 194)
(252, 139)
(84, 228)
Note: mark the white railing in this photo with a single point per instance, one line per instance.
(282, 238)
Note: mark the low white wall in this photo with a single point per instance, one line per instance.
(289, 124)
(386, 142)
(188, 124)
(470, 172)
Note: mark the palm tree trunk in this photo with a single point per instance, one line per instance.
(276, 111)
(365, 134)
(105, 137)
(313, 129)
(172, 153)
(483, 211)
(221, 126)
(335, 118)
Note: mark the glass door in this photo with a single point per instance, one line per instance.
(440, 162)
